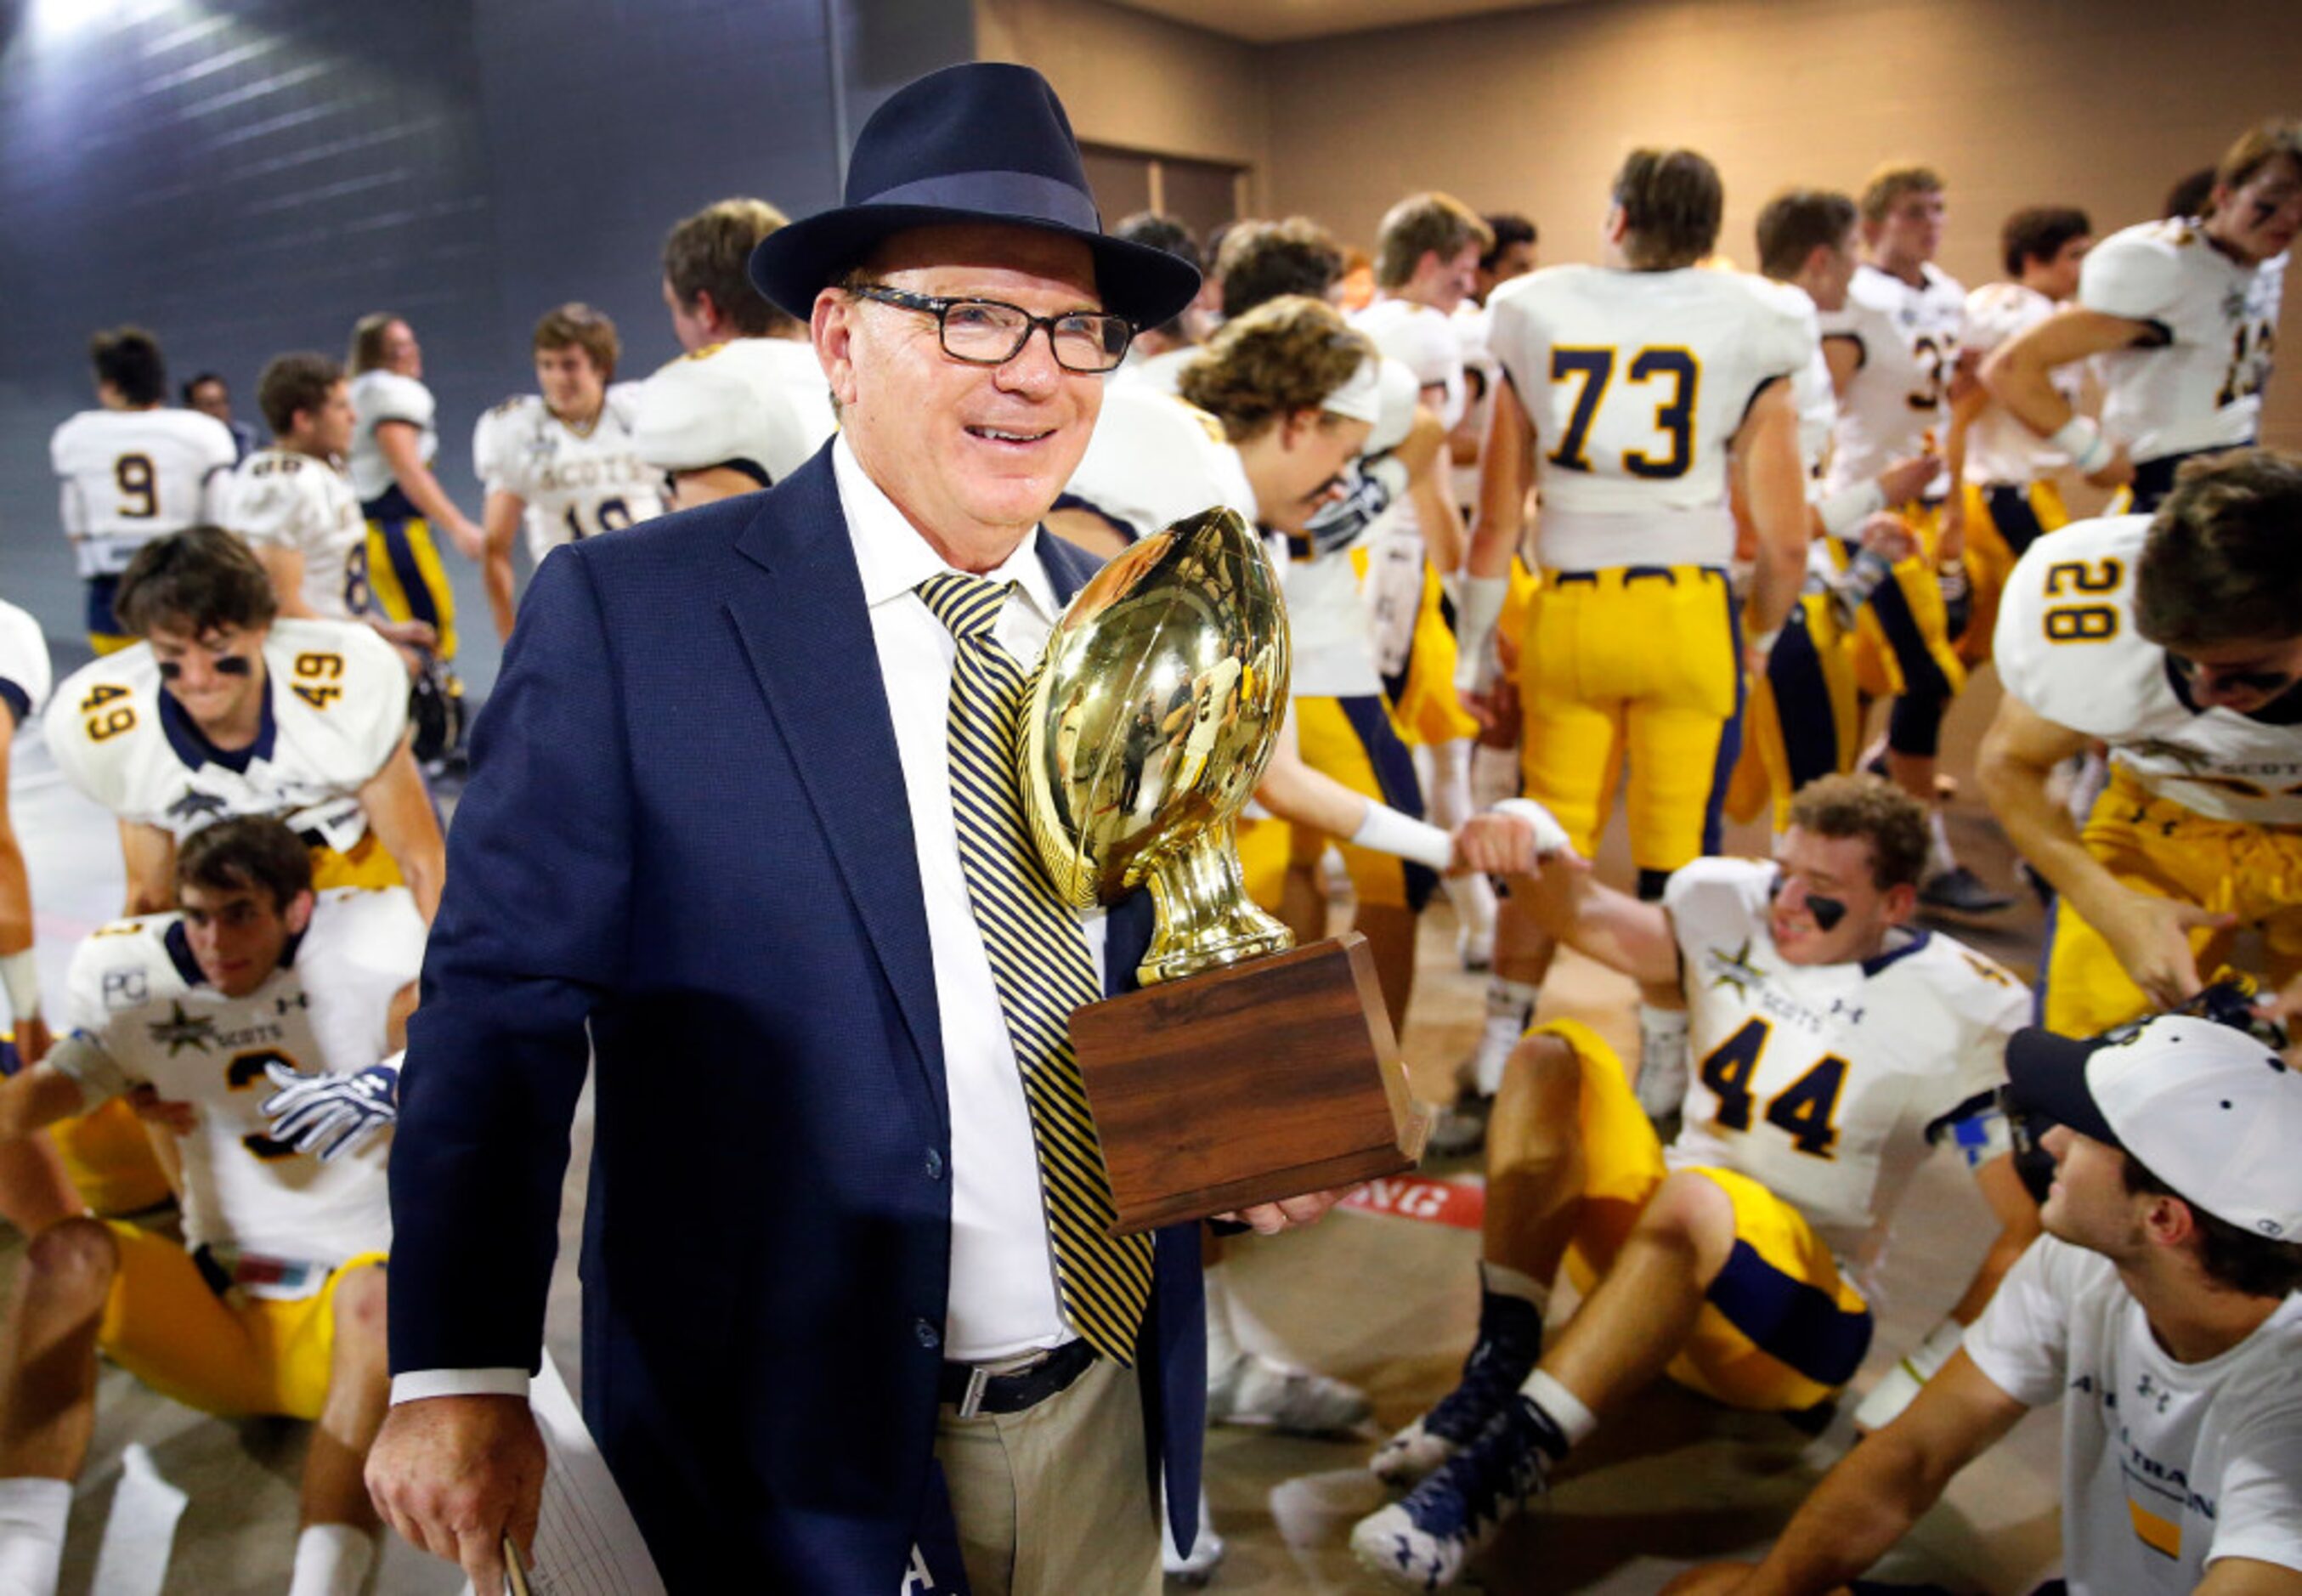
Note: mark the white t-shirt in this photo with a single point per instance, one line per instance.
(575, 484)
(1999, 449)
(2067, 647)
(129, 476)
(1898, 403)
(26, 673)
(2166, 1465)
(137, 993)
(1637, 383)
(284, 499)
(335, 711)
(381, 396)
(2197, 381)
(760, 400)
(1828, 1083)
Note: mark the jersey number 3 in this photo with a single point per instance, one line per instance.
(1806, 1110)
(1591, 370)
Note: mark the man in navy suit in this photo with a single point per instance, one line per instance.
(709, 830)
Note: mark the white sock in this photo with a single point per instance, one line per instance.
(1504, 1281)
(1662, 1083)
(1939, 857)
(1473, 898)
(1222, 1341)
(331, 1559)
(1451, 784)
(1574, 1421)
(1510, 1009)
(32, 1515)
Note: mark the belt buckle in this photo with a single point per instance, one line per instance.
(972, 1402)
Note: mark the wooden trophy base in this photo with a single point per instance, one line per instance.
(1268, 1080)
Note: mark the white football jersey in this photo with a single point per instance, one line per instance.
(26, 673)
(1637, 383)
(137, 993)
(1999, 449)
(1163, 371)
(335, 711)
(284, 499)
(2197, 381)
(1155, 459)
(1481, 371)
(763, 400)
(130, 476)
(380, 396)
(1424, 340)
(1898, 403)
(2067, 647)
(1826, 1083)
(577, 484)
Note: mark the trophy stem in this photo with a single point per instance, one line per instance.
(1205, 919)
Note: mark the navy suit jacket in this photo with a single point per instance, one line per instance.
(686, 826)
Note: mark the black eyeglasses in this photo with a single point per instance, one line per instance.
(992, 331)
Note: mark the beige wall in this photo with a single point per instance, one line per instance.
(2099, 103)
(1135, 80)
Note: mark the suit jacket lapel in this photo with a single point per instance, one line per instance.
(808, 635)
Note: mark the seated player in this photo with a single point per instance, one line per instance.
(562, 462)
(747, 403)
(2177, 640)
(1835, 1043)
(296, 508)
(133, 470)
(274, 1303)
(2160, 1309)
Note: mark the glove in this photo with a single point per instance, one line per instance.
(1923, 1363)
(1549, 837)
(329, 1115)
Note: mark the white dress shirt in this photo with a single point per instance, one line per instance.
(1003, 1284)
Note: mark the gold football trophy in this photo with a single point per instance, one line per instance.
(1242, 1072)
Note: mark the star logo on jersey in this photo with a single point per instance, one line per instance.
(196, 807)
(180, 1031)
(1734, 970)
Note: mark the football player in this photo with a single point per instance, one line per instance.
(34, 1190)
(2007, 497)
(2183, 315)
(562, 462)
(1157, 352)
(394, 440)
(225, 709)
(275, 1301)
(132, 471)
(298, 509)
(747, 402)
(1892, 350)
(1837, 1043)
(1635, 391)
(2177, 640)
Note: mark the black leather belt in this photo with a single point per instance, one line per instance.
(974, 1388)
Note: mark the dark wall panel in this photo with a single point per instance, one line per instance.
(249, 176)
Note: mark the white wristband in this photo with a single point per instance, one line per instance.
(1851, 506)
(1549, 837)
(1483, 598)
(2083, 441)
(1385, 830)
(1763, 642)
(1901, 1383)
(20, 974)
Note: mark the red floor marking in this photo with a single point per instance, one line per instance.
(1460, 1201)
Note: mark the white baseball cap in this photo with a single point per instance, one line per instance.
(2211, 1111)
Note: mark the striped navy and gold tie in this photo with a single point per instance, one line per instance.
(1039, 963)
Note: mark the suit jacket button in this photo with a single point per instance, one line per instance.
(934, 1164)
(928, 1335)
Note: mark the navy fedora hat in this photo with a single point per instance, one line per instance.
(983, 141)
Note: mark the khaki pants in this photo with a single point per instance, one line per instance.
(1056, 1500)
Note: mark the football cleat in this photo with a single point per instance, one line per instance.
(1256, 1390)
(1509, 1345)
(1422, 1541)
(1961, 892)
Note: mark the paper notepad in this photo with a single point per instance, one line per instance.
(586, 1541)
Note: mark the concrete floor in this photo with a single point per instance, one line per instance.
(173, 1500)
